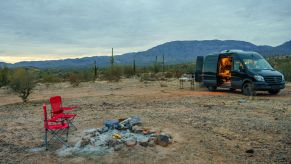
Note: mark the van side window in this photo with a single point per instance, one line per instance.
(237, 65)
(210, 64)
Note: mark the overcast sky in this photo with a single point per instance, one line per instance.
(54, 29)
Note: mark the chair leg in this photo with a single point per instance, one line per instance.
(67, 134)
(70, 122)
(56, 135)
(45, 140)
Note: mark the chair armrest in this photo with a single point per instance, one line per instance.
(57, 118)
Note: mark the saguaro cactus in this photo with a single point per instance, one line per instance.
(163, 63)
(95, 71)
(134, 66)
(112, 58)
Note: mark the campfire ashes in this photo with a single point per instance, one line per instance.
(115, 135)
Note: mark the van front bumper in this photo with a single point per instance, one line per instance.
(263, 86)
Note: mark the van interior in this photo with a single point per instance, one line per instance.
(224, 71)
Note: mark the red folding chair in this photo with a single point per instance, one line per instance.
(57, 129)
(58, 110)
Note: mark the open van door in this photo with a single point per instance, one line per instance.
(199, 67)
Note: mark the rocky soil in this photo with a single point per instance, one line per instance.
(207, 127)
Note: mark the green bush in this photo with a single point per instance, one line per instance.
(50, 78)
(113, 74)
(22, 82)
(4, 76)
(282, 64)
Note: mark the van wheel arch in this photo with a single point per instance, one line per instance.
(248, 88)
(246, 81)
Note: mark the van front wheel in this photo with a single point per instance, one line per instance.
(248, 89)
(212, 88)
(274, 92)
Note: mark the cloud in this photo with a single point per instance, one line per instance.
(64, 28)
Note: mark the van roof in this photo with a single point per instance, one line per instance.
(238, 52)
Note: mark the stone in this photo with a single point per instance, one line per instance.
(103, 130)
(137, 129)
(118, 147)
(242, 101)
(151, 143)
(154, 139)
(135, 120)
(91, 132)
(250, 152)
(145, 131)
(112, 143)
(85, 142)
(163, 140)
(131, 143)
(111, 124)
(144, 142)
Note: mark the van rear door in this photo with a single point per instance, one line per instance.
(199, 67)
(210, 70)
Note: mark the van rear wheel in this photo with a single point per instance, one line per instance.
(232, 89)
(212, 88)
(248, 89)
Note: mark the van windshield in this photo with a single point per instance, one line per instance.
(256, 62)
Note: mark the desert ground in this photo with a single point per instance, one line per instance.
(207, 127)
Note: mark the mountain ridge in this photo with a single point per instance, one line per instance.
(175, 52)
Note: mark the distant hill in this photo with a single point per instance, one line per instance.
(175, 52)
(4, 64)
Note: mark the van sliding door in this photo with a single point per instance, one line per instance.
(237, 74)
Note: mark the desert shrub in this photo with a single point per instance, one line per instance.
(22, 82)
(179, 74)
(75, 79)
(86, 75)
(156, 67)
(3, 76)
(282, 64)
(179, 69)
(112, 74)
(160, 76)
(286, 70)
(128, 71)
(50, 78)
(169, 74)
(147, 77)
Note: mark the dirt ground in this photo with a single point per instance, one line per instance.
(208, 127)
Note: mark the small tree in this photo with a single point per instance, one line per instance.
(75, 79)
(22, 83)
(3, 76)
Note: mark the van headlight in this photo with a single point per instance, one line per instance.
(259, 78)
